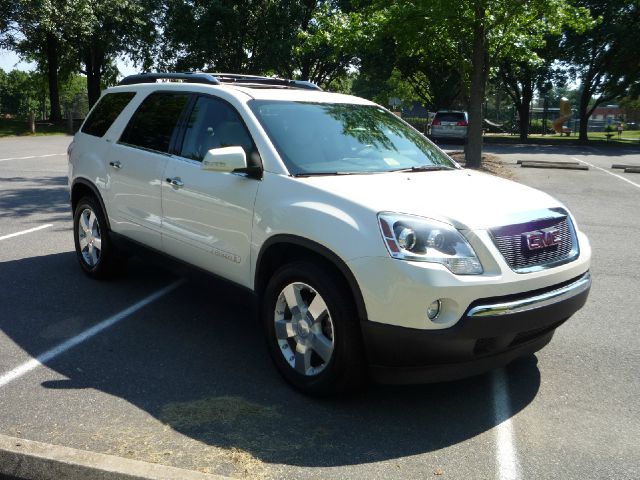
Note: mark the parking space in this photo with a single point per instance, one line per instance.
(180, 375)
(585, 416)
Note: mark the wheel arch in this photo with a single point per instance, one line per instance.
(82, 187)
(284, 248)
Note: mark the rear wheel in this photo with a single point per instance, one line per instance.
(312, 330)
(95, 251)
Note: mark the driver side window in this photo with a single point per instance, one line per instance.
(215, 124)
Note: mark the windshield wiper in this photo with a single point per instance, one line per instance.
(423, 168)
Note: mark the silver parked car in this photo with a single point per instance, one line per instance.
(450, 124)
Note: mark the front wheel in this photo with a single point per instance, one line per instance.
(312, 330)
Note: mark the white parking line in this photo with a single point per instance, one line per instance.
(607, 171)
(83, 336)
(32, 156)
(507, 464)
(35, 229)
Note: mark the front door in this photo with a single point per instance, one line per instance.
(207, 216)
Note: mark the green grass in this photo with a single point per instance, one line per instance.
(13, 128)
(629, 137)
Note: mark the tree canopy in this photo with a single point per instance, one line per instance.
(428, 51)
(604, 58)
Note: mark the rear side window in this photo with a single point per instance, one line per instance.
(106, 112)
(153, 124)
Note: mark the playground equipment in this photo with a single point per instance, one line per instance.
(565, 114)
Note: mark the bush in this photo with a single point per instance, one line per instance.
(537, 127)
(419, 123)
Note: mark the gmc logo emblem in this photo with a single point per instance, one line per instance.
(542, 238)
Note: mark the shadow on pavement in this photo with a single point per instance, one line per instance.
(46, 195)
(195, 360)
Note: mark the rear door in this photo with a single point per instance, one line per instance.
(137, 163)
(207, 216)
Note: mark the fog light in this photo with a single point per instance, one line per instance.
(434, 309)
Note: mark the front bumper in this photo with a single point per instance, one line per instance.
(491, 333)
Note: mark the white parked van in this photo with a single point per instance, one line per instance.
(371, 252)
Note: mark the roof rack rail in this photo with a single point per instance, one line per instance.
(260, 80)
(217, 79)
(152, 77)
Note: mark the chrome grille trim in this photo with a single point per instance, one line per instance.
(537, 301)
(509, 241)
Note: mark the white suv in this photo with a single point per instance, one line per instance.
(371, 252)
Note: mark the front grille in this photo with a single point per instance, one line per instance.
(513, 246)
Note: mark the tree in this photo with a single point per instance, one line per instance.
(605, 57)
(7, 17)
(222, 35)
(631, 108)
(477, 35)
(436, 75)
(20, 93)
(521, 79)
(307, 39)
(381, 90)
(37, 37)
(327, 44)
(104, 29)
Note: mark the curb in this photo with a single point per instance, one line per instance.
(520, 162)
(28, 460)
(555, 165)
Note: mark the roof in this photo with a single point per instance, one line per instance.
(247, 86)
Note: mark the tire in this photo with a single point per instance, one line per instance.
(95, 251)
(319, 352)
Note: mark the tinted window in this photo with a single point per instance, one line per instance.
(153, 123)
(214, 124)
(450, 116)
(106, 112)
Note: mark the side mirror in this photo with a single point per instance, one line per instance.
(227, 159)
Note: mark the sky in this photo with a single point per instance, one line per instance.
(9, 60)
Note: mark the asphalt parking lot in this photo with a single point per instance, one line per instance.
(179, 375)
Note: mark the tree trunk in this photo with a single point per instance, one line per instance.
(93, 88)
(523, 120)
(583, 112)
(93, 63)
(479, 61)
(523, 111)
(52, 75)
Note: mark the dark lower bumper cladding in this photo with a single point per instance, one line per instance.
(472, 346)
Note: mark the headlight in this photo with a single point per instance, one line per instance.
(420, 239)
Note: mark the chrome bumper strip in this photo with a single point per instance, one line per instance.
(537, 301)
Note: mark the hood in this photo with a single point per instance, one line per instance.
(467, 199)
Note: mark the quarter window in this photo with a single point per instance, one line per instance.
(215, 124)
(153, 124)
(106, 112)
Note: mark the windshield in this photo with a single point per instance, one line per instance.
(333, 138)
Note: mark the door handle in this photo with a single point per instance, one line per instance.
(116, 164)
(175, 182)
